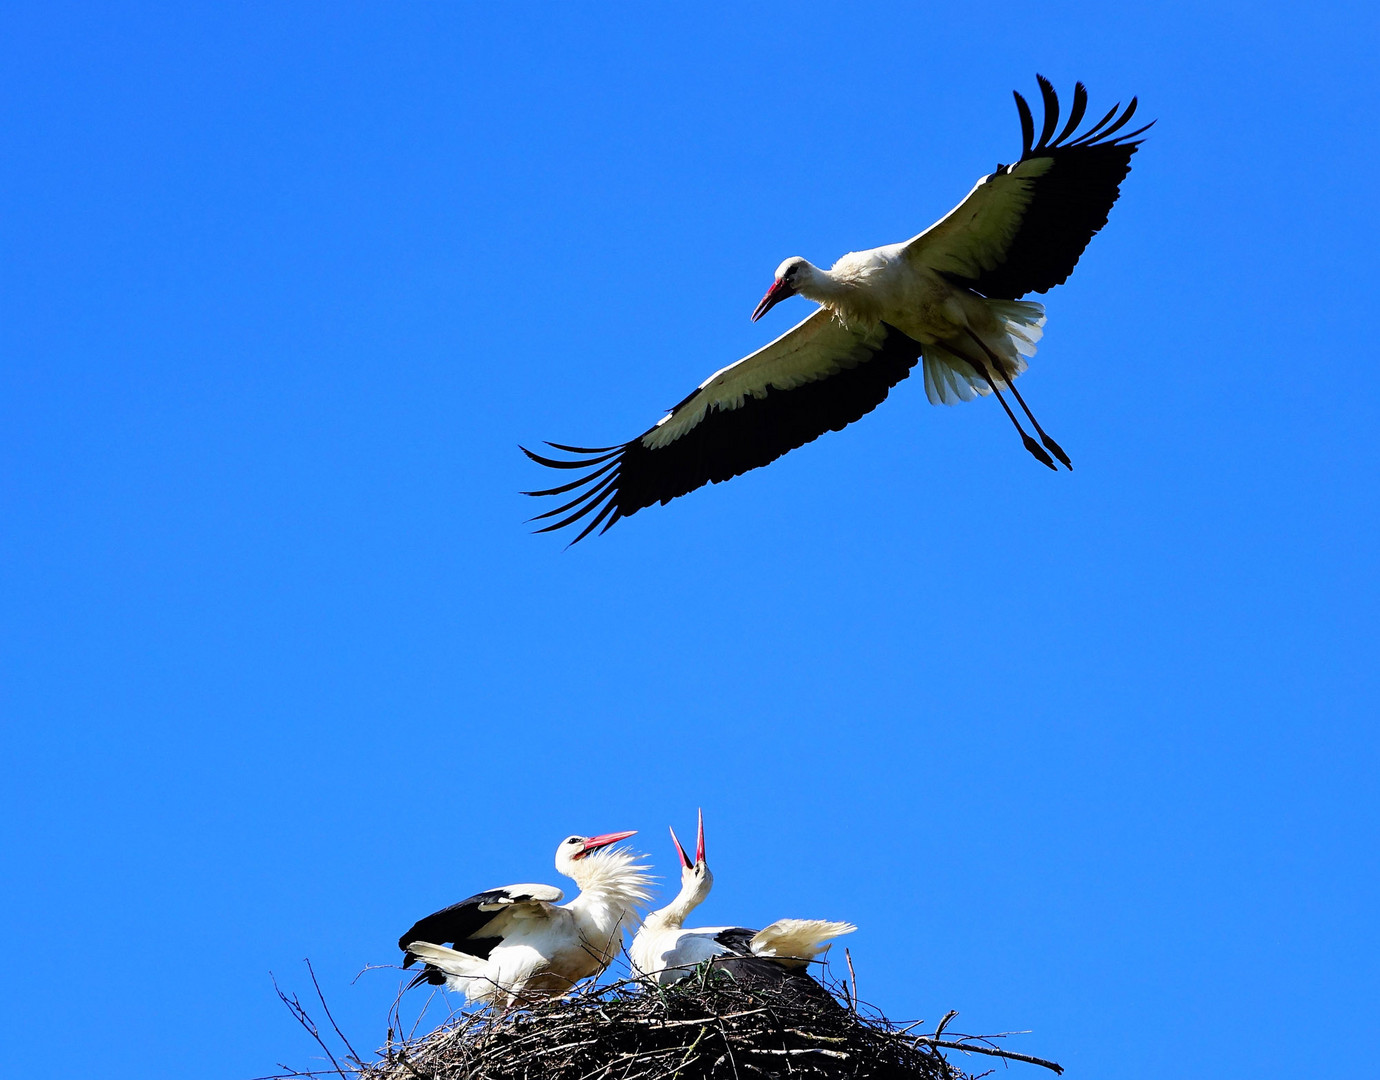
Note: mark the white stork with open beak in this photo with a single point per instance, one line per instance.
(513, 943)
(664, 951)
(949, 296)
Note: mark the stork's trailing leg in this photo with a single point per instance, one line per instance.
(1030, 444)
(1054, 447)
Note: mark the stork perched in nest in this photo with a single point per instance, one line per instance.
(512, 944)
(665, 951)
(949, 296)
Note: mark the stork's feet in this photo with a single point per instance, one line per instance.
(1037, 451)
(1057, 450)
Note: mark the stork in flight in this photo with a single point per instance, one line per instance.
(949, 296)
(664, 951)
(513, 944)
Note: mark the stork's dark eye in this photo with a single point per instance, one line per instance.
(573, 840)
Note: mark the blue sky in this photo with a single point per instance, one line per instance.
(1089, 754)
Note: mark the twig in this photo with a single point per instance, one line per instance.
(802, 1050)
(993, 1051)
(853, 980)
(817, 1038)
(689, 1054)
(322, 998)
(701, 1020)
(300, 1014)
(728, 1049)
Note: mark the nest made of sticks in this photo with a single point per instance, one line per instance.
(709, 1025)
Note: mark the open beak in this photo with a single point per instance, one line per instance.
(684, 858)
(779, 291)
(699, 847)
(596, 842)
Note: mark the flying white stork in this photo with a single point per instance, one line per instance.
(513, 943)
(664, 951)
(949, 296)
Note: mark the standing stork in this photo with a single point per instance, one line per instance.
(664, 951)
(949, 296)
(513, 943)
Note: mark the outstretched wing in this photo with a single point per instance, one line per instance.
(475, 925)
(1023, 228)
(818, 376)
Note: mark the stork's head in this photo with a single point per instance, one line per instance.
(789, 277)
(695, 877)
(573, 849)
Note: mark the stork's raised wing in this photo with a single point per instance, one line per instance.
(475, 925)
(818, 376)
(1023, 228)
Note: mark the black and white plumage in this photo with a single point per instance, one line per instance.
(514, 943)
(949, 296)
(664, 950)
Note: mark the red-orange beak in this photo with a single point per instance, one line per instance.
(699, 847)
(779, 291)
(684, 858)
(596, 842)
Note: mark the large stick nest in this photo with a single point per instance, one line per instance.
(707, 1026)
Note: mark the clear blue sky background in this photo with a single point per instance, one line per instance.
(284, 286)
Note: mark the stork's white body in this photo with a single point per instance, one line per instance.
(667, 954)
(859, 296)
(665, 951)
(516, 943)
(864, 288)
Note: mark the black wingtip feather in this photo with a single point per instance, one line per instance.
(556, 463)
(1027, 124)
(588, 503)
(582, 449)
(1080, 106)
(608, 507)
(1124, 140)
(589, 497)
(1051, 101)
(617, 514)
(1120, 121)
(579, 481)
(1093, 132)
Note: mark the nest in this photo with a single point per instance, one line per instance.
(710, 1025)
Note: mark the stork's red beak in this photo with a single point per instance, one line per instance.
(596, 842)
(684, 858)
(699, 847)
(779, 291)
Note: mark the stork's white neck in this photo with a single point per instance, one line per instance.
(819, 285)
(849, 287)
(693, 890)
